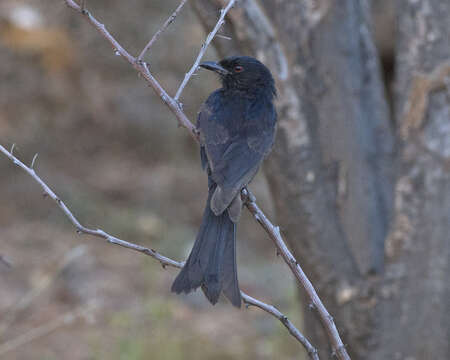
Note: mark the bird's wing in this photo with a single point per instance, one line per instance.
(234, 144)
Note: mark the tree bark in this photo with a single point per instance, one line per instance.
(333, 168)
(416, 288)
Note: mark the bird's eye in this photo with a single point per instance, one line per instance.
(238, 68)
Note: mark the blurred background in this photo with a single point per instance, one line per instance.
(359, 178)
(113, 152)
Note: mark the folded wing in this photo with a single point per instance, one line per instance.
(234, 146)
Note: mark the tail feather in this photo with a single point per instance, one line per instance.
(212, 261)
(229, 273)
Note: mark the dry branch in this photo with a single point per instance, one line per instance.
(169, 21)
(205, 45)
(176, 107)
(165, 261)
(275, 234)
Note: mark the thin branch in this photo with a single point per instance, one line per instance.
(80, 228)
(101, 27)
(175, 107)
(165, 261)
(34, 160)
(205, 45)
(223, 37)
(169, 21)
(275, 234)
(248, 300)
(142, 68)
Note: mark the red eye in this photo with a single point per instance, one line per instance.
(238, 68)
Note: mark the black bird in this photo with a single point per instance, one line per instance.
(237, 128)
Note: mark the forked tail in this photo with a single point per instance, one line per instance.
(212, 262)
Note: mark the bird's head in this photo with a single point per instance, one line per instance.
(243, 73)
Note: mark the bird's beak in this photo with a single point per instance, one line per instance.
(213, 66)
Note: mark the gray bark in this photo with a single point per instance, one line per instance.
(416, 289)
(333, 169)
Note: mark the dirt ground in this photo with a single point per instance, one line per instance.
(114, 154)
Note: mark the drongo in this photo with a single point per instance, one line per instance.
(237, 129)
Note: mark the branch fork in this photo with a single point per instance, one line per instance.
(163, 260)
(175, 106)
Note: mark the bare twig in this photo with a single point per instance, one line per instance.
(165, 261)
(80, 228)
(175, 107)
(223, 37)
(205, 45)
(33, 161)
(169, 21)
(275, 234)
(142, 68)
(248, 300)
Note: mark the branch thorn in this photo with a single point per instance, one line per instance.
(224, 37)
(33, 161)
(83, 7)
(277, 230)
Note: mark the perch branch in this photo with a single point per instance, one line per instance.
(248, 300)
(175, 107)
(164, 261)
(80, 228)
(205, 45)
(141, 67)
(275, 234)
(169, 21)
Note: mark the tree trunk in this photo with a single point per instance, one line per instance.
(332, 169)
(415, 310)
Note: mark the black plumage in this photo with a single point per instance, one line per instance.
(237, 129)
